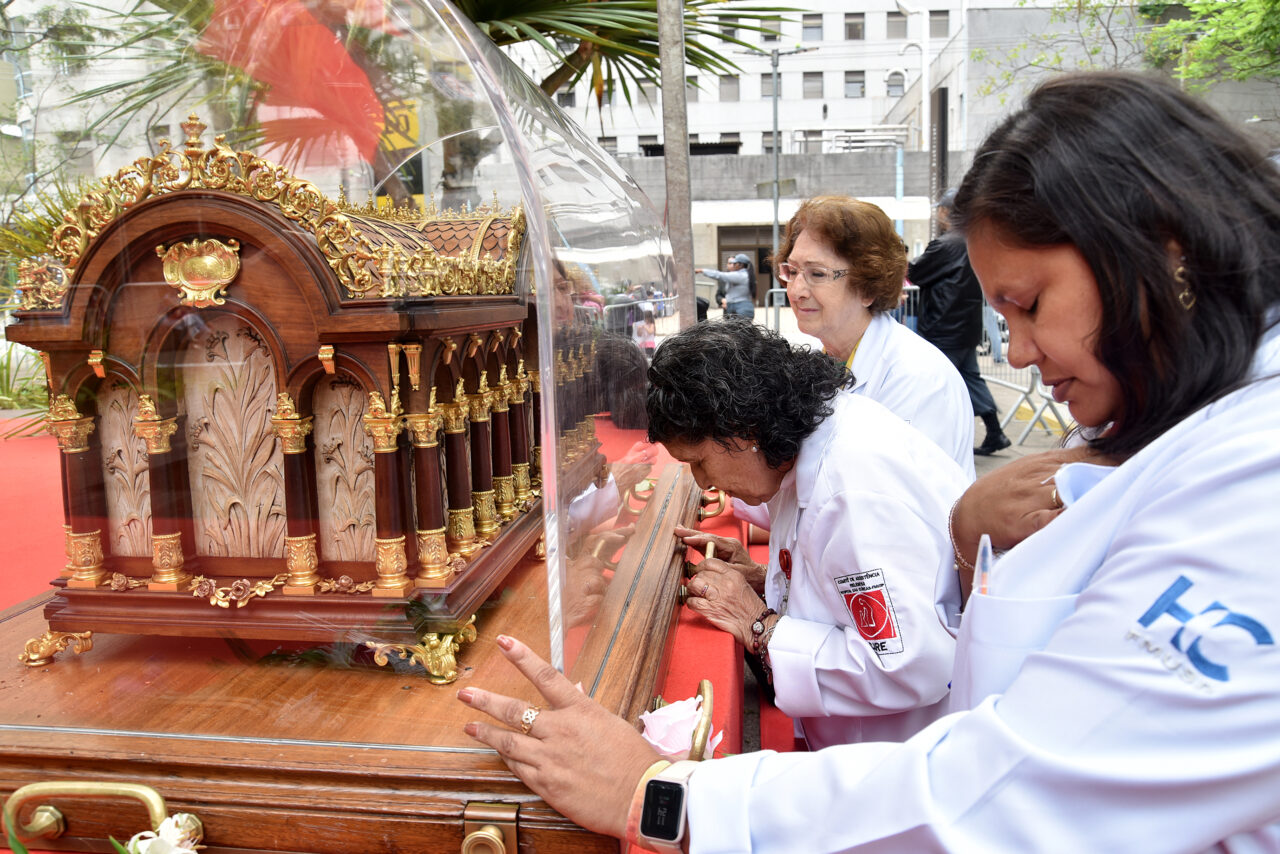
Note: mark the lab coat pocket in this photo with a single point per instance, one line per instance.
(996, 636)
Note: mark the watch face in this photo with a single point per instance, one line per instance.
(663, 814)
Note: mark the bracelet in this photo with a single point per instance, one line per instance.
(757, 629)
(951, 532)
(763, 651)
(637, 801)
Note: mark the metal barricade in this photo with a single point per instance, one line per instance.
(775, 298)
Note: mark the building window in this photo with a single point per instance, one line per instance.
(731, 137)
(567, 98)
(813, 84)
(766, 85)
(609, 144)
(855, 26)
(811, 30)
(77, 153)
(729, 27)
(772, 30)
(855, 84)
(896, 84)
(691, 90)
(648, 91)
(813, 142)
(895, 26)
(939, 24)
(728, 87)
(766, 142)
(693, 137)
(648, 139)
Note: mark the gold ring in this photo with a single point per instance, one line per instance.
(1054, 501)
(526, 720)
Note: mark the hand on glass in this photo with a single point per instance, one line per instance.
(729, 551)
(720, 593)
(579, 758)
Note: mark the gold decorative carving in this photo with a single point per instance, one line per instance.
(391, 565)
(201, 270)
(486, 513)
(95, 362)
(455, 413)
(436, 653)
(449, 346)
(504, 490)
(239, 592)
(325, 355)
(435, 568)
(413, 355)
(382, 424)
(120, 582)
(48, 369)
(86, 560)
(40, 651)
(535, 381)
(292, 428)
(501, 392)
(68, 427)
(425, 426)
(521, 484)
(460, 532)
(301, 560)
(151, 428)
(474, 343)
(68, 570)
(167, 560)
(344, 584)
(480, 402)
(393, 356)
(364, 258)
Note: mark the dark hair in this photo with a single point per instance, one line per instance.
(860, 233)
(731, 379)
(1123, 167)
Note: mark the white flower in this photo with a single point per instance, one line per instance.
(180, 833)
(670, 729)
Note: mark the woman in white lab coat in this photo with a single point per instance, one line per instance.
(859, 501)
(1117, 681)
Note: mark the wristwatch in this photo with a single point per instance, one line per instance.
(666, 800)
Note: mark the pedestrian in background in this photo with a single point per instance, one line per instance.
(737, 291)
(951, 317)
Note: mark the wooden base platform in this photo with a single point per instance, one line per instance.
(310, 752)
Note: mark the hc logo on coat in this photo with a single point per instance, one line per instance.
(1195, 627)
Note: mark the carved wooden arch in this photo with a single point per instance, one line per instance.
(128, 245)
(301, 381)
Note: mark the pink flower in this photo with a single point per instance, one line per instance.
(670, 729)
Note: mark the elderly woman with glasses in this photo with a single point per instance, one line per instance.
(844, 266)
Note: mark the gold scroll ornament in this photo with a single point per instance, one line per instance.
(201, 270)
(437, 653)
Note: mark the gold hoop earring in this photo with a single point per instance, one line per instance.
(1185, 296)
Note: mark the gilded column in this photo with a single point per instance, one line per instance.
(461, 533)
(301, 558)
(434, 567)
(167, 560)
(504, 492)
(85, 558)
(519, 421)
(535, 397)
(479, 406)
(390, 561)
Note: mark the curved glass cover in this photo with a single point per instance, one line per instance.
(341, 333)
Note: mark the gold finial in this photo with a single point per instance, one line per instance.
(194, 129)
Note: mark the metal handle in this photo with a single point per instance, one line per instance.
(716, 497)
(702, 729)
(486, 840)
(691, 569)
(47, 822)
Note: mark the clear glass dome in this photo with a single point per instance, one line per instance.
(324, 365)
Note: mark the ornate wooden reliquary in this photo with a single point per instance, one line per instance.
(282, 416)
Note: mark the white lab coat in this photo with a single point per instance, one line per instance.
(1122, 676)
(912, 379)
(859, 653)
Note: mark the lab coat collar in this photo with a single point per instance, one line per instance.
(809, 462)
(871, 348)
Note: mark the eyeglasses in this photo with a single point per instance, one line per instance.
(815, 275)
